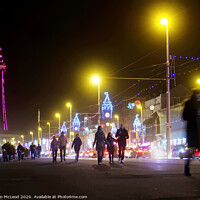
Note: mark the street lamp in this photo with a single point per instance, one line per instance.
(96, 79)
(69, 105)
(117, 117)
(31, 133)
(58, 116)
(164, 22)
(22, 136)
(141, 115)
(40, 130)
(48, 123)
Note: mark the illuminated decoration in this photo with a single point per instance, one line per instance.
(131, 105)
(114, 129)
(137, 126)
(107, 107)
(76, 123)
(3, 70)
(186, 57)
(107, 124)
(64, 128)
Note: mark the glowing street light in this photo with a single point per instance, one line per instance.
(117, 117)
(31, 133)
(198, 81)
(58, 116)
(49, 124)
(164, 22)
(22, 136)
(96, 79)
(69, 105)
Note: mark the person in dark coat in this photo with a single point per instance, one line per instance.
(54, 148)
(33, 151)
(39, 149)
(62, 141)
(100, 143)
(121, 135)
(110, 146)
(20, 151)
(5, 155)
(77, 145)
(191, 114)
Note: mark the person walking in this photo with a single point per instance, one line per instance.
(62, 141)
(33, 151)
(110, 146)
(20, 151)
(54, 148)
(77, 145)
(121, 135)
(99, 140)
(39, 149)
(191, 114)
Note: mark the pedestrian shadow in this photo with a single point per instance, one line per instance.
(102, 168)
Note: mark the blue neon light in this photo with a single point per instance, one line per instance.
(131, 105)
(64, 128)
(107, 107)
(152, 86)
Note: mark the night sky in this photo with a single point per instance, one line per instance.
(52, 48)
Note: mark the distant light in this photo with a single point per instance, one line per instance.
(173, 74)
(198, 81)
(152, 86)
(0, 49)
(181, 56)
(120, 102)
(117, 105)
(192, 58)
(186, 57)
(164, 21)
(197, 58)
(138, 94)
(95, 79)
(175, 56)
(0, 56)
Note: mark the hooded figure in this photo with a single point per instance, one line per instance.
(121, 135)
(191, 114)
(77, 144)
(99, 140)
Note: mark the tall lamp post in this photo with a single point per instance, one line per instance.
(40, 130)
(22, 136)
(69, 105)
(96, 79)
(58, 116)
(117, 117)
(164, 21)
(49, 124)
(31, 133)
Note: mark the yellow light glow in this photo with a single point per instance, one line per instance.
(31, 132)
(139, 106)
(95, 79)
(22, 136)
(48, 123)
(72, 133)
(198, 81)
(68, 104)
(57, 115)
(39, 128)
(164, 21)
(116, 116)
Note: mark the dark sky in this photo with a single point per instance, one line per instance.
(52, 48)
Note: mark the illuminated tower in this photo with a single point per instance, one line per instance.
(107, 107)
(76, 123)
(3, 70)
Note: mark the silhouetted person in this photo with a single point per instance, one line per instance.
(77, 145)
(20, 151)
(191, 114)
(99, 140)
(5, 155)
(39, 149)
(33, 150)
(62, 141)
(110, 146)
(121, 135)
(54, 148)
